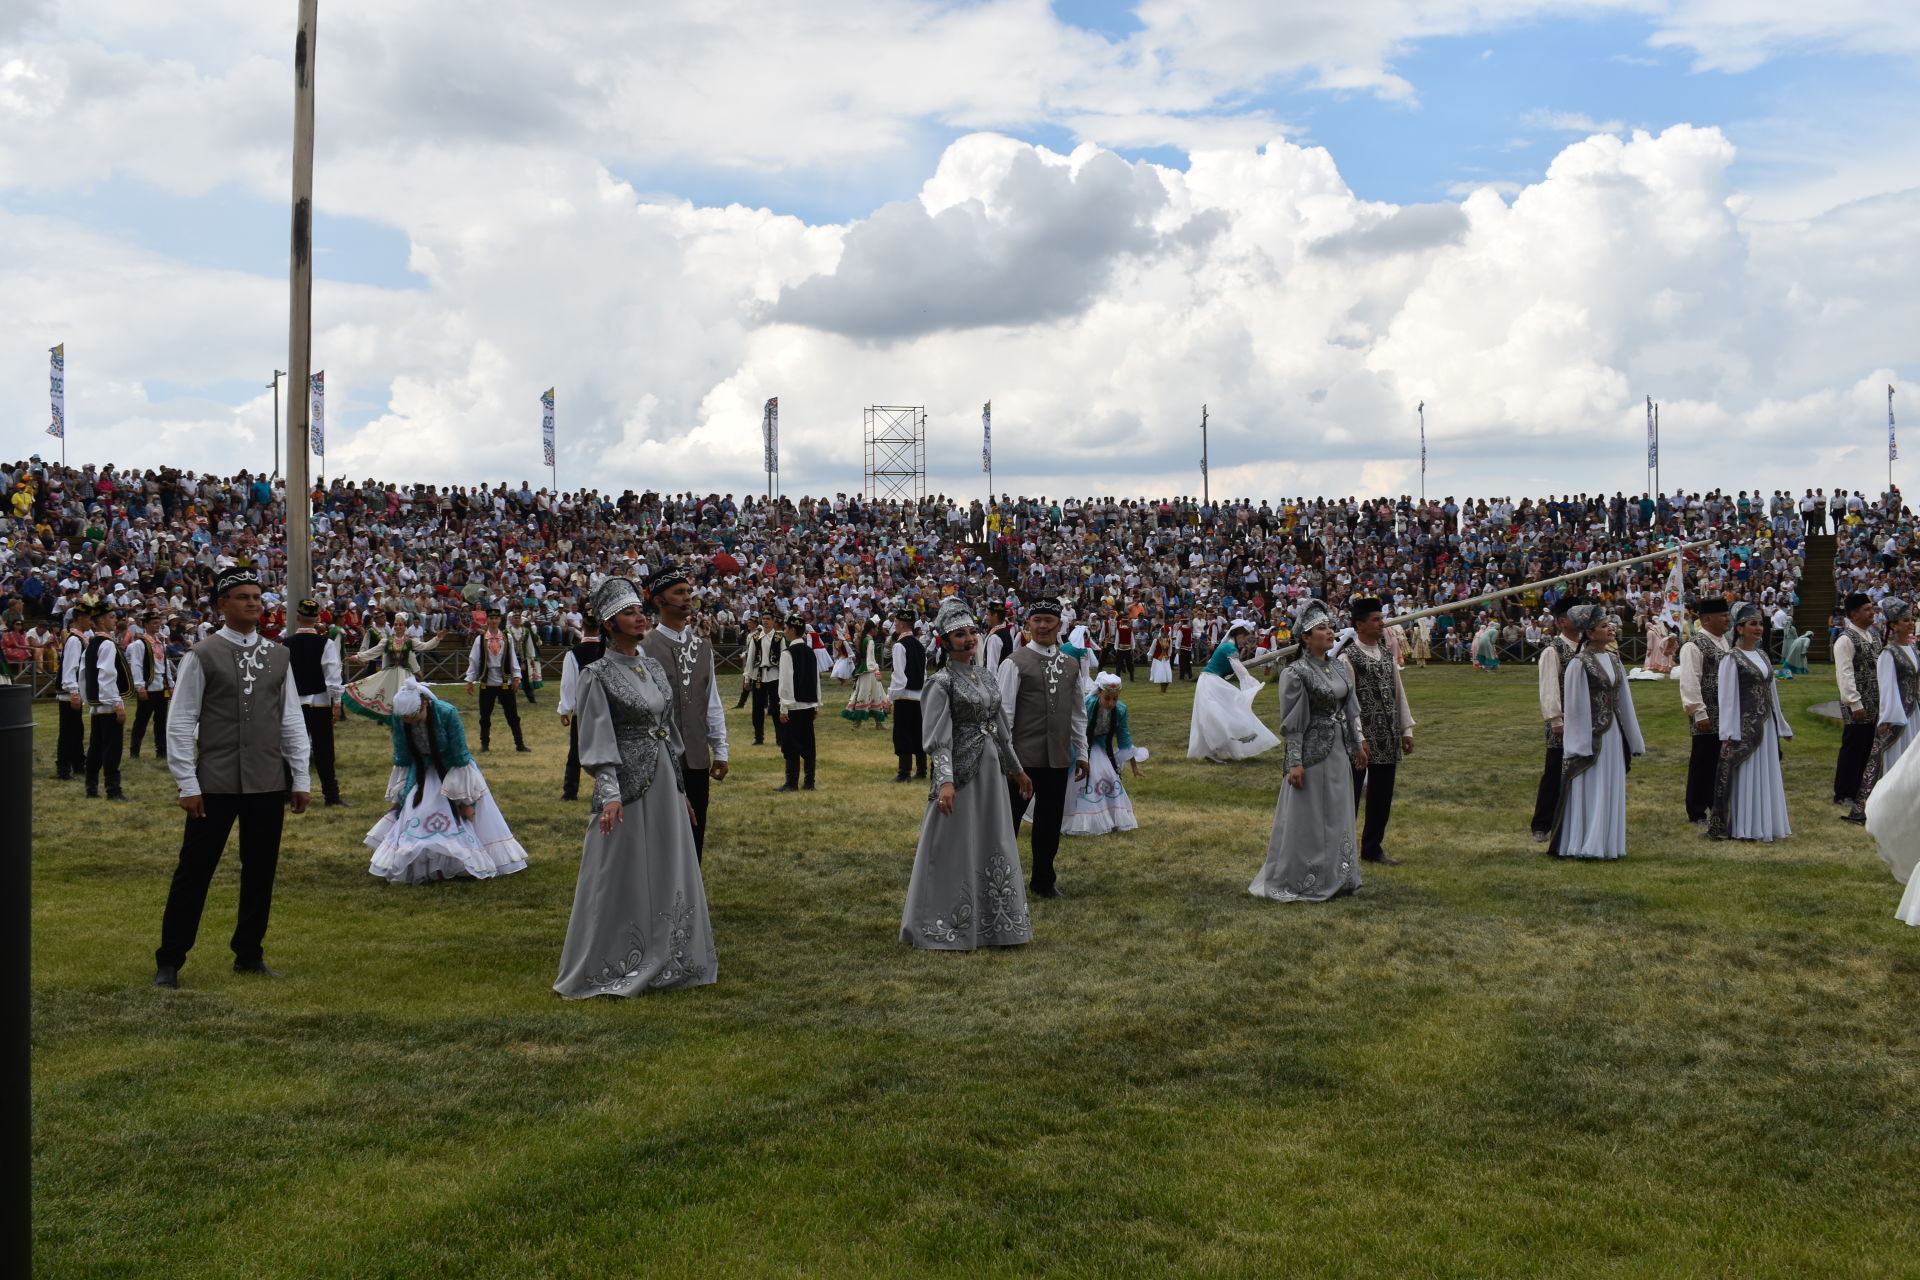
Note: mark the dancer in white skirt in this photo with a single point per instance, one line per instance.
(443, 823)
(1600, 731)
(1750, 793)
(1899, 711)
(1224, 724)
(1160, 660)
(1099, 803)
(1893, 820)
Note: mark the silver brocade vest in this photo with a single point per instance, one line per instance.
(689, 666)
(641, 726)
(1906, 667)
(1374, 686)
(244, 697)
(1710, 655)
(973, 706)
(1866, 668)
(1326, 689)
(1042, 726)
(1600, 694)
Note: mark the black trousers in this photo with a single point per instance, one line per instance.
(1546, 800)
(503, 695)
(260, 816)
(1377, 780)
(1049, 807)
(746, 692)
(150, 710)
(570, 779)
(1703, 769)
(1124, 659)
(698, 781)
(103, 752)
(909, 747)
(1185, 657)
(766, 705)
(70, 749)
(1856, 744)
(796, 744)
(320, 734)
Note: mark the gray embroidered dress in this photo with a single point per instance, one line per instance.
(640, 910)
(1311, 855)
(967, 890)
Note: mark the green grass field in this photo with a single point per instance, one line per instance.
(1700, 1061)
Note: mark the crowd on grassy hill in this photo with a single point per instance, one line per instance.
(149, 543)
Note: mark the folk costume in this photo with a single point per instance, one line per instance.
(494, 665)
(1553, 669)
(398, 656)
(1099, 803)
(1310, 853)
(1750, 794)
(104, 683)
(909, 667)
(1899, 712)
(423, 836)
(1893, 820)
(1224, 726)
(1486, 647)
(799, 687)
(236, 739)
(965, 891)
(687, 658)
(868, 701)
(1700, 659)
(1385, 721)
(1160, 661)
(762, 665)
(313, 656)
(578, 659)
(1600, 733)
(526, 647)
(639, 919)
(70, 749)
(1047, 720)
(1856, 669)
(151, 674)
(842, 660)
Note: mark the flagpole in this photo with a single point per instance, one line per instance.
(298, 583)
(1423, 453)
(986, 447)
(1206, 491)
(1893, 448)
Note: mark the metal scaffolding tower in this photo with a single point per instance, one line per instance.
(896, 436)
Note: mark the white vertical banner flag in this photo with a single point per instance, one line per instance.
(1893, 446)
(986, 437)
(317, 428)
(546, 426)
(770, 430)
(1653, 437)
(1422, 411)
(57, 375)
(1673, 607)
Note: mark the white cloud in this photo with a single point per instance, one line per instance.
(1570, 122)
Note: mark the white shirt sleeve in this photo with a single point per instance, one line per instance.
(473, 663)
(1843, 671)
(137, 662)
(1551, 670)
(716, 713)
(569, 678)
(71, 654)
(1008, 675)
(294, 746)
(330, 667)
(897, 680)
(108, 675)
(183, 726)
(1692, 699)
(786, 681)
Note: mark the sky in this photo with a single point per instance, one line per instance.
(1309, 217)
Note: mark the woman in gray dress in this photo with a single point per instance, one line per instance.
(1310, 856)
(1601, 736)
(640, 910)
(966, 890)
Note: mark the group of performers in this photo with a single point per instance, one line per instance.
(1008, 730)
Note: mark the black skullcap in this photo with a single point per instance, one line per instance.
(670, 576)
(905, 614)
(1709, 606)
(1856, 600)
(1362, 607)
(494, 611)
(1044, 605)
(796, 621)
(308, 609)
(1559, 607)
(238, 576)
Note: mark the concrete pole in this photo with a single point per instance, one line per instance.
(299, 579)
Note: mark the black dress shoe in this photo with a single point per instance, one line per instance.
(167, 976)
(569, 799)
(1050, 892)
(121, 796)
(807, 785)
(255, 968)
(522, 747)
(786, 786)
(337, 803)
(902, 777)
(1380, 858)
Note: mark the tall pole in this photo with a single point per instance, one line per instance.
(1423, 452)
(16, 798)
(1206, 489)
(299, 577)
(1656, 454)
(275, 384)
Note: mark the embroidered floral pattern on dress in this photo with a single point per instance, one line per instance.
(680, 967)
(950, 929)
(625, 969)
(1006, 918)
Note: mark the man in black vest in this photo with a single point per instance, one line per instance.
(589, 650)
(494, 664)
(70, 750)
(909, 678)
(997, 645)
(687, 655)
(1699, 677)
(147, 668)
(235, 739)
(799, 689)
(1856, 658)
(1553, 664)
(313, 656)
(103, 687)
(763, 672)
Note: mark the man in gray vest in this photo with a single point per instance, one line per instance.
(1385, 720)
(1040, 697)
(1553, 665)
(1700, 701)
(1856, 668)
(236, 744)
(687, 655)
(763, 674)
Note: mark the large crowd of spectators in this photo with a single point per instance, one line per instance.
(149, 542)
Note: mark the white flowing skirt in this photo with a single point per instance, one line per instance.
(1757, 807)
(843, 669)
(426, 841)
(1224, 724)
(1160, 671)
(1101, 803)
(1593, 819)
(1893, 819)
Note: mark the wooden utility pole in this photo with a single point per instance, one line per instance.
(299, 577)
(1206, 485)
